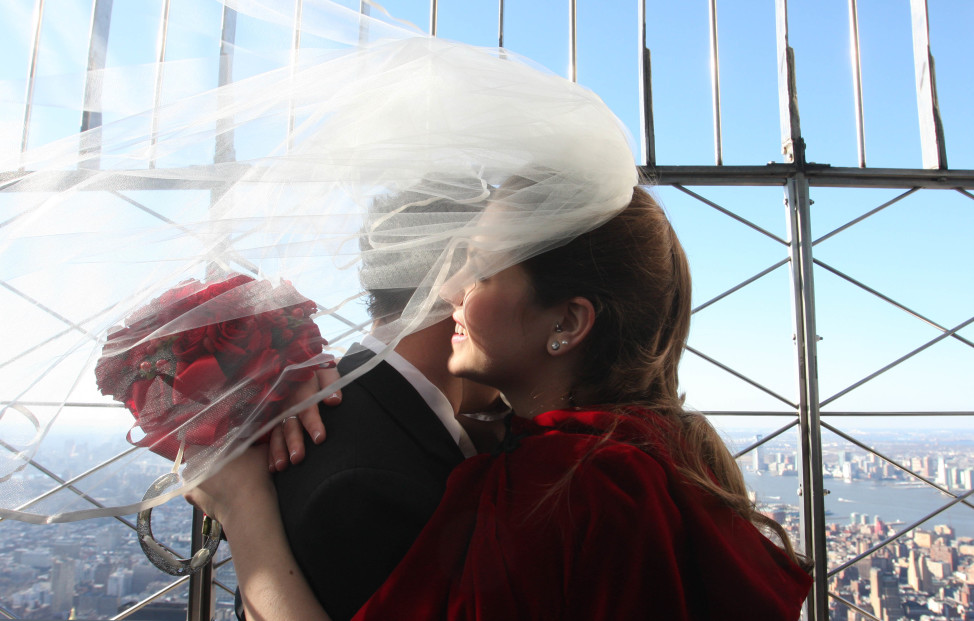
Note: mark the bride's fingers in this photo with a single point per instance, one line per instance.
(277, 453)
(329, 375)
(293, 435)
(286, 445)
(310, 417)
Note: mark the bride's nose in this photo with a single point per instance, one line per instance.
(454, 291)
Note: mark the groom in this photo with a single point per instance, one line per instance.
(355, 504)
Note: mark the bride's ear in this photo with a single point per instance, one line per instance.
(577, 319)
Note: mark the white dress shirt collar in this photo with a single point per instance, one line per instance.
(432, 395)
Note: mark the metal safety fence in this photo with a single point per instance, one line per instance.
(799, 402)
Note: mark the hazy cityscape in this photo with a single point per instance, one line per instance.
(95, 569)
(926, 573)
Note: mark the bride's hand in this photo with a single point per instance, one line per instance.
(286, 444)
(237, 489)
(241, 496)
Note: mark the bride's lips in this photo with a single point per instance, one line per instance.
(459, 332)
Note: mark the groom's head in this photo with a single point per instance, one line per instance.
(405, 234)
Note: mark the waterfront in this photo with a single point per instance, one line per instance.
(894, 502)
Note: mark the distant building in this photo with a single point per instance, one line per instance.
(102, 571)
(38, 558)
(923, 538)
(941, 471)
(879, 527)
(965, 594)
(966, 479)
(143, 575)
(38, 595)
(938, 569)
(953, 478)
(63, 583)
(941, 552)
(884, 595)
(96, 605)
(918, 576)
(119, 583)
(847, 471)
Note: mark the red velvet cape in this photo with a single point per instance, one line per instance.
(628, 539)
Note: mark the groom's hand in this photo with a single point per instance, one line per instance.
(286, 444)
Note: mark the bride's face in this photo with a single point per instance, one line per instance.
(501, 332)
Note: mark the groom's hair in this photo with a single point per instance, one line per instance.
(391, 275)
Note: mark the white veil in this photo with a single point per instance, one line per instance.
(361, 160)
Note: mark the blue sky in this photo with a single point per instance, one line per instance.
(917, 251)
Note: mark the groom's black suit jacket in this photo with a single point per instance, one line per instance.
(353, 507)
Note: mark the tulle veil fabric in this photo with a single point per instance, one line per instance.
(376, 157)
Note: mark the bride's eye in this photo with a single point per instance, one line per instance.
(475, 266)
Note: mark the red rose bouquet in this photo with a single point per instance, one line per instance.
(201, 359)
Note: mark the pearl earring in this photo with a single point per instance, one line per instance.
(556, 345)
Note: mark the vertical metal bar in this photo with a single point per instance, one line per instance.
(648, 131)
(32, 72)
(296, 34)
(295, 50)
(200, 602)
(803, 300)
(931, 129)
(225, 151)
(792, 145)
(803, 297)
(160, 68)
(363, 28)
(101, 21)
(857, 79)
(573, 40)
(715, 82)
(500, 23)
(433, 17)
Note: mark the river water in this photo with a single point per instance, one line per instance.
(891, 501)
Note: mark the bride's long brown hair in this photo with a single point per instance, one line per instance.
(634, 271)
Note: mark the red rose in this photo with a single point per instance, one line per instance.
(262, 371)
(189, 344)
(237, 338)
(307, 344)
(199, 383)
(275, 318)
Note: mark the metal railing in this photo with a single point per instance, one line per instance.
(796, 176)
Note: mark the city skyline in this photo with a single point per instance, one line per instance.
(104, 564)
